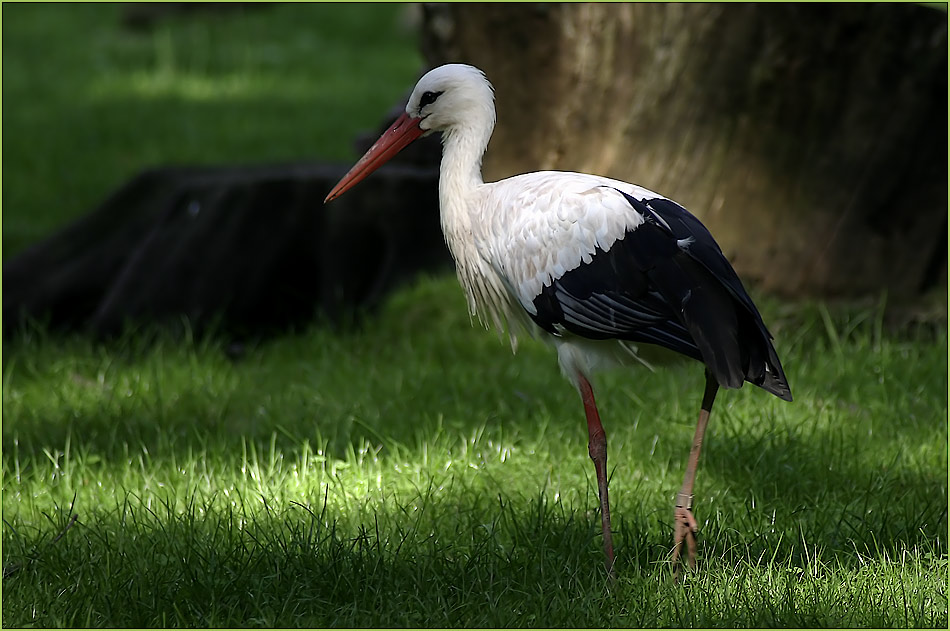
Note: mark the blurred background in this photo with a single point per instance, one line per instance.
(168, 160)
(97, 93)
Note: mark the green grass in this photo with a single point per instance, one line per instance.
(413, 473)
(88, 104)
(410, 472)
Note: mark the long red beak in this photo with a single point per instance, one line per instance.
(393, 140)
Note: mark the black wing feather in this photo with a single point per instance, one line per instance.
(648, 288)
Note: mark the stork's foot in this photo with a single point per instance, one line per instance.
(685, 529)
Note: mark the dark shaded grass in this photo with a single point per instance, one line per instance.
(291, 566)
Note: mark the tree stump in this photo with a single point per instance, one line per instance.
(249, 250)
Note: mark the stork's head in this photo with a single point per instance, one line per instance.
(445, 99)
(449, 96)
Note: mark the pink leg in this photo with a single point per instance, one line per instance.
(685, 526)
(597, 447)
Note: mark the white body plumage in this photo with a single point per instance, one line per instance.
(512, 238)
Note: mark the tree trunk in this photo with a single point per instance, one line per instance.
(810, 139)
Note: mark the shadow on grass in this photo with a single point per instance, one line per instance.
(211, 564)
(438, 564)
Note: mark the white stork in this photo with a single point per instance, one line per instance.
(591, 264)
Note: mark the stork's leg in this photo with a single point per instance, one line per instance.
(597, 447)
(684, 524)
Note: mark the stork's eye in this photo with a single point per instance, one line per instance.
(428, 98)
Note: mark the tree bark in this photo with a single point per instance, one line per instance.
(810, 139)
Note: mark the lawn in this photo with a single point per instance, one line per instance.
(410, 471)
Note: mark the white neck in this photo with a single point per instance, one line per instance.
(460, 184)
(460, 177)
(461, 171)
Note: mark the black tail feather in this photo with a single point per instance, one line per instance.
(734, 345)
